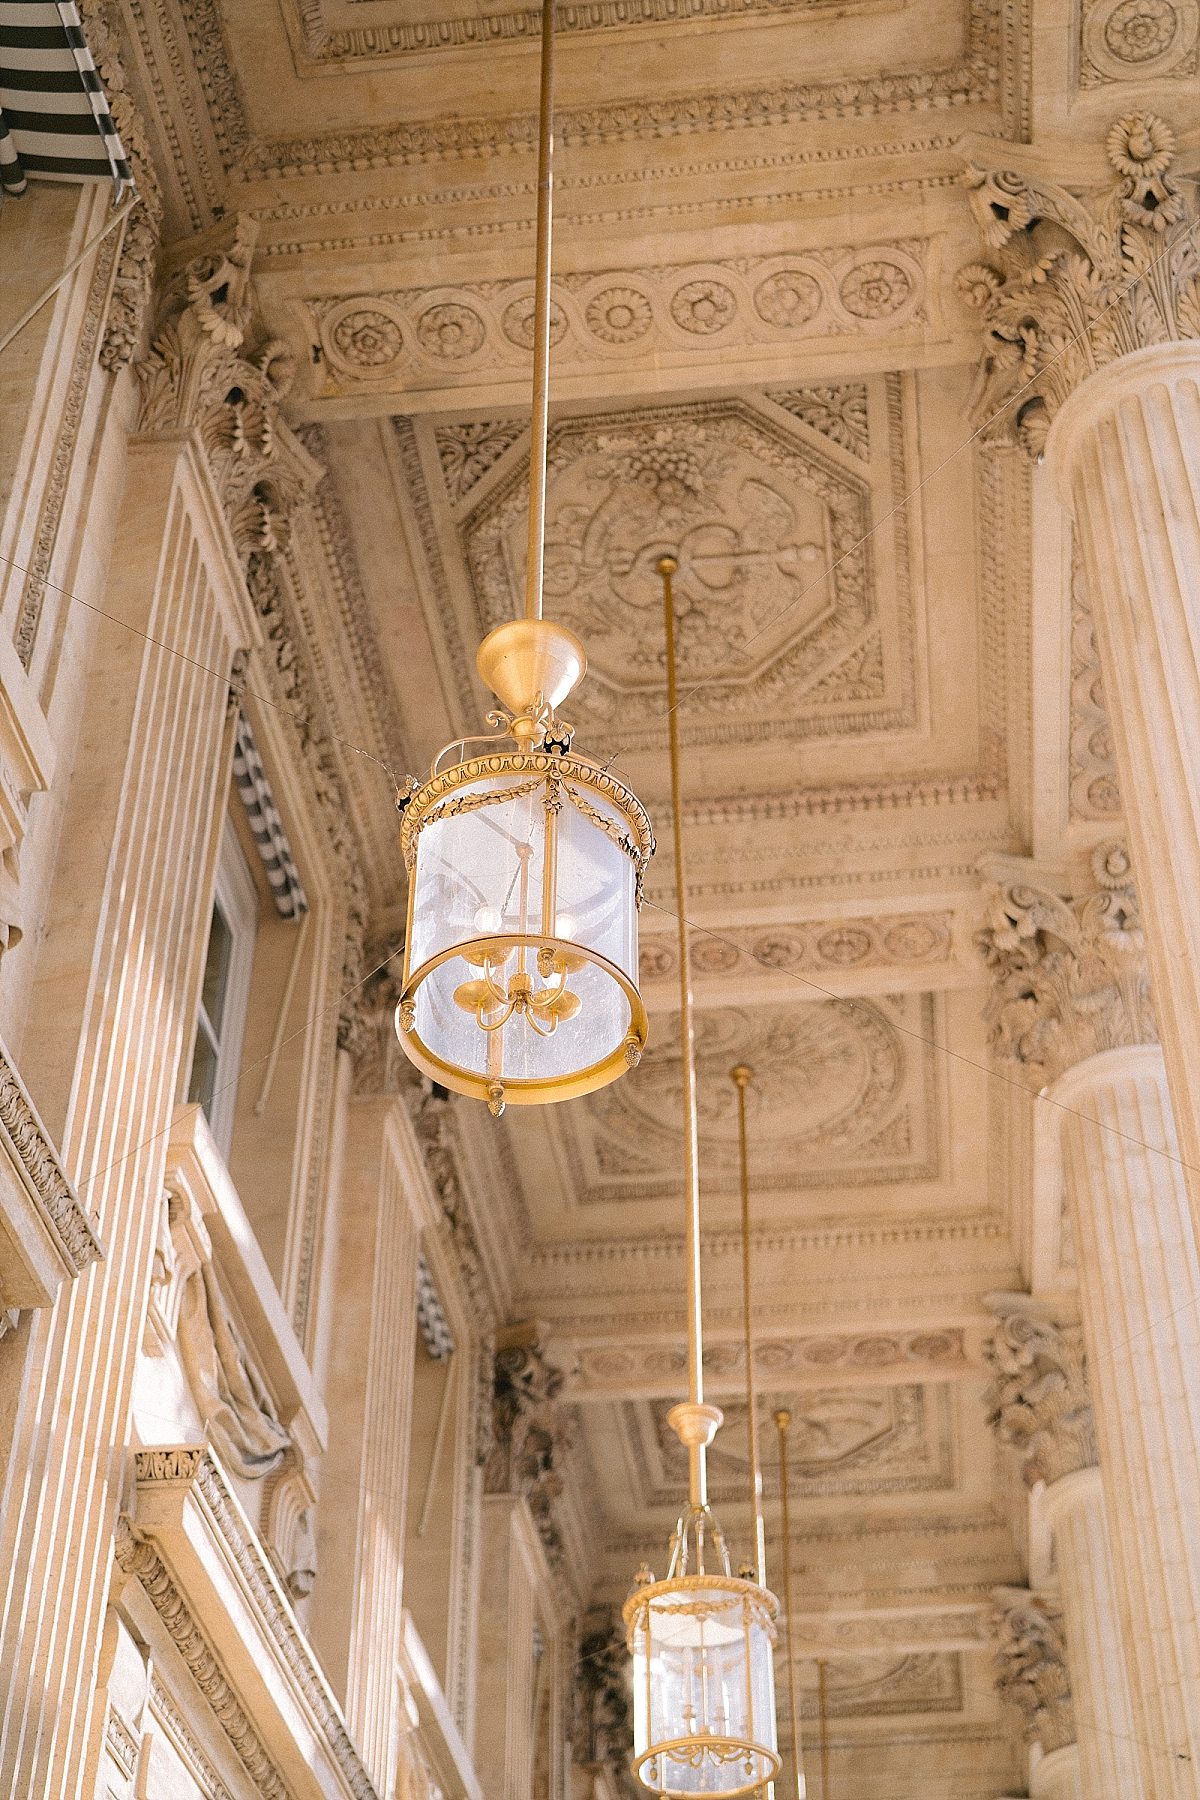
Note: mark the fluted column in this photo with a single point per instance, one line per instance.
(1092, 330)
(1071, 1011)
(1140, 1290)
(1041, 1406)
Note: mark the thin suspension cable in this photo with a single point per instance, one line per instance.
(741, 1076)
(540, 421)
(783, 1419)
(697, 1454)
(48, 293)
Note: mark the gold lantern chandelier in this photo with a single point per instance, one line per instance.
(702, 1639)
(525, 860)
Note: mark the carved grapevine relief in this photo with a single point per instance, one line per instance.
(777, 583)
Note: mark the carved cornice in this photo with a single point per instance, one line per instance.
(31, 1149)
(140, 1559)
(133, 282)
(1075, 285)
(497, 28)
(191, 1466)
(1039, 1401)
(1031, 1666)
(976, 79)
(1069, 976)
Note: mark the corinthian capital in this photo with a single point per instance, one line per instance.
(1031, 1665)
(1069, 975)
(1069, 285)
(1039, 1401)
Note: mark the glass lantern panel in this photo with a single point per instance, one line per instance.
(479, 875)
(704, 1669)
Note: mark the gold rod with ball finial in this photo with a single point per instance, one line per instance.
(694, 1422)
(783, 1420)
(540, 422)
(823, 1716)
(741, 1076)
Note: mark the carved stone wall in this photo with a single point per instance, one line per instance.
(532, 1435)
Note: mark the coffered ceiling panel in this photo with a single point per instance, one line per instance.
(842, 1098)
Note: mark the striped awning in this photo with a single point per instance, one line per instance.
(54, 119)
(270, 838)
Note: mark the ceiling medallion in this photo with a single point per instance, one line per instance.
(702, 1640)
(525, 859)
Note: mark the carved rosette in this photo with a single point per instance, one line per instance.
(532, 1435)
(1069, 976)
(1031, 1666)
(1039, 1401)
(1071, 286)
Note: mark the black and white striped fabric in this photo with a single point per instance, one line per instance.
(434, 1326)
(250, 779)
(54, 119)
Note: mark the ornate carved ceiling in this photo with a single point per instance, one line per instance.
(762, 364)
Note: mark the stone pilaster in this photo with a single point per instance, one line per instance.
(114, 1009)
(1071, 1009)
(1040, 1404)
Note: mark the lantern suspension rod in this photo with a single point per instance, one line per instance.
(696, 1441)
(783, 1419)
(540, 422)
(823, 1715)
(742, 1076)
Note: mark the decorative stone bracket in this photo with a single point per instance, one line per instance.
(203, 1570)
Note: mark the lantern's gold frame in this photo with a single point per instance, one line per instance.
(756, 1600)
(434, 801)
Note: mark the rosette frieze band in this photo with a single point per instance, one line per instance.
(1072, 284)
(1039, 1402)
(1069, 976)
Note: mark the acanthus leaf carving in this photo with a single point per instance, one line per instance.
(1031, 1665)
(1039, 1401)
(1076, 285)
(1069, 976)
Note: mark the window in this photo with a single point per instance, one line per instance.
(221, 1017)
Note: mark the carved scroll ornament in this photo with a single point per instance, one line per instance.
(1072, 285)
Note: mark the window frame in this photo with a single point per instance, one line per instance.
(236, 898)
